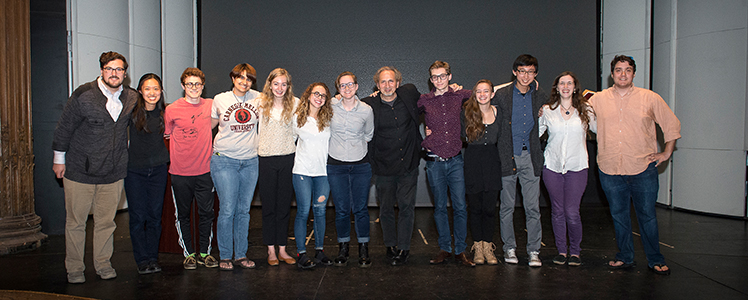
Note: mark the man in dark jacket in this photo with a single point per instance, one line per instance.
(521, 156)
(90, 155)
(394, 156)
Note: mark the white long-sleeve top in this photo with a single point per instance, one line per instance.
(567, 140)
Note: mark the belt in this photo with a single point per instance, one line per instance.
(434, 157)
(524, 147)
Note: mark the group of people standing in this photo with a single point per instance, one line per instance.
(478, 144)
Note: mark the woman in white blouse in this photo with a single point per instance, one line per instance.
(566, 117)
(312, 125)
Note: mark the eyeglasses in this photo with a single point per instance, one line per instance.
(347, 85)
(318, 95)
(110, 69)
(439, 77)
(526, 72)
(193, 85)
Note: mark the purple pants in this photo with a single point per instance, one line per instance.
(566, 192)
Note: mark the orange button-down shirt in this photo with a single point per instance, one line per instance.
(626, 131)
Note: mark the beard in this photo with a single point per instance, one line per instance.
(106, 82)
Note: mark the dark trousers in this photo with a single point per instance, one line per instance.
(145, 190)
(276, 194)
(482, 208)
(400, 190)
(200, 188)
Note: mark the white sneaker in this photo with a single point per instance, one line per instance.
(510, 256)
(534, 260)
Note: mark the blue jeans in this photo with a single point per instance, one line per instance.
(235, 181)
(642, 189)
(309, 190)
(349, 188)
(443, 175)
(145, 190)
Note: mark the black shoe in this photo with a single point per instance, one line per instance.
(321, 258)
(392, 252)
(401, 258)
(342, 259)
(363, 255)
(304, 262)
(154, 267)
(144, 268)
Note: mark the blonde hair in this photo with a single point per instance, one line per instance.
(266, 100)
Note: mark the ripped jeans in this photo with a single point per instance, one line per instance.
(308, 192)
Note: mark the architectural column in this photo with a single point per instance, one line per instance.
(20, 227)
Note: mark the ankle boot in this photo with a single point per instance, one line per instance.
(363, 255)
(478, 250)
(488, 249)
(342, 259)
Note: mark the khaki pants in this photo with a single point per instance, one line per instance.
(79, 200)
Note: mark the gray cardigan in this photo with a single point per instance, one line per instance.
(503, 99)
(95, 145)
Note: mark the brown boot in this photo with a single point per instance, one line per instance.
(478, 250)
(488, 249)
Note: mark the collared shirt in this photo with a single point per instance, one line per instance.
(350, 131)
(443, 119)
(113, 104)
(567, 140)
(396, 140)
(626, 131)
(522, 119)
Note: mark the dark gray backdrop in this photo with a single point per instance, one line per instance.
(317, 40)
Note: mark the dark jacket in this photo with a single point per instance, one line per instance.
(409, 96)
(95, 145)
(503, 99)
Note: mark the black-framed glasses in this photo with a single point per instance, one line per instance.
(439, 77)
(347, 85)
(526, 72)
(319, 95)
(110, 69)
(193, 85)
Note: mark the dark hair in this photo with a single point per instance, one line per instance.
(525, 60)
(192, 72)
(622, 58)
(244, 67)
(106, 57)
(346, 73)
(577, 100)
(325, 112)
(473, 116)
(140, 114)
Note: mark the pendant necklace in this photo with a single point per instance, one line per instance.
(566, 109)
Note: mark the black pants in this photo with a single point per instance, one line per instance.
(482, 208)
(200, 188)
(400, 190)
(276, 193)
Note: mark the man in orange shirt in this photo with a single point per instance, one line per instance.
(628, 158)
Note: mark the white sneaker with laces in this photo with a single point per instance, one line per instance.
(510, 256)
(534, 260)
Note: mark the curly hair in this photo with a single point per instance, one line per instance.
(473, 116)
(266, 100)
(325, 112)
(577, 100)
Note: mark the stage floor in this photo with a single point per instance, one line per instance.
(708, 257)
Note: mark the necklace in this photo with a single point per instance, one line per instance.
(566, 109)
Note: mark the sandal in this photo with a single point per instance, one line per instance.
(225, 265)
(661, 271)
(245, 263)
(622, 266)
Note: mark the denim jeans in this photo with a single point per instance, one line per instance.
(642, 189)
(235, 181)
(145, 190)
(309, 190)
(443, 175)
(349, 189)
